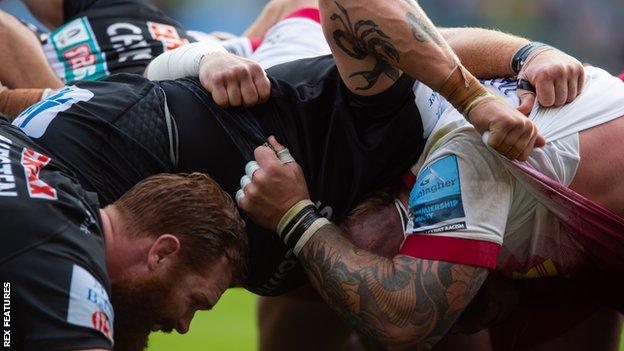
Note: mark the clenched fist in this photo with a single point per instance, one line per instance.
(233, 80)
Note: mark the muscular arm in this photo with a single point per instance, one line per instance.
(401, 302)
(48, 12)
(24, 64)
(485, 53)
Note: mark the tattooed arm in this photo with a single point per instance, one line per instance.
(401, 302)
(372, 40)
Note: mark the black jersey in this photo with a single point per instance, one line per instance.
(52, 256)
(116, 131)
(102, 37)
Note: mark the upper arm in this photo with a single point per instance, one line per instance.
(459, 206)
(48, 12)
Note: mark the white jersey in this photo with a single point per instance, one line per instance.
(468, 206)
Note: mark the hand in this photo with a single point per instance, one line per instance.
(274, 188)
(558, 79)
(233, 80)
(511, 133)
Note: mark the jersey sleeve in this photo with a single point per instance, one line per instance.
(458, 206)
(57, 304)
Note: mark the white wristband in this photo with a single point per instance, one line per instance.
(308, 234)
(181, 62)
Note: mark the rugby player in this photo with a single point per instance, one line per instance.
(117, 131)
(471, 211)
(80, 276)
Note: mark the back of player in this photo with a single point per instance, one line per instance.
(102, 37)
(119, 130)
(52, 255)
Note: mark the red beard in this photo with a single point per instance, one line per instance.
(139, 305)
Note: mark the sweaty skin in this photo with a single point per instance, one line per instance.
(600, 178)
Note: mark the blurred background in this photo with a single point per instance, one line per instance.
(592, 30)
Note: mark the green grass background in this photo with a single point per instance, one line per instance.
(230, 326)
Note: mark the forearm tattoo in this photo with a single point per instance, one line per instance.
(405, 302)
(422, 30)
(364, 39)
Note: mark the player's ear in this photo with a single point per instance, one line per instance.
(163, 251)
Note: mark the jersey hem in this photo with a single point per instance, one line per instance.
(457, 250)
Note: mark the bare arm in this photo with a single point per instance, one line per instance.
(401, 302)
(485, 53)
(24, 64)
(48, 12)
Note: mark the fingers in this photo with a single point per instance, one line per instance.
(266, 157)
(561, 92)
(263, 86)
(545, 92)
(581, 80)
(248, 91)
(540, 141)
(527, 100)
(276, 146)
(234, 93)
(234, 81)
(219, 93)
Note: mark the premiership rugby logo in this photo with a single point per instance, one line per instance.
(33, 162)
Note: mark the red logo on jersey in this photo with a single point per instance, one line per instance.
(167, 34)
(33, 162)
(79, 57)
(99, 321)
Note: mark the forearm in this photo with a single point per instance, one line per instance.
(485, 53)
(373, 39)
(24, 64)
(401, 302)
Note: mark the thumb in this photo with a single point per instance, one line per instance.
(276, 146)
(539, 141)
(527, 100)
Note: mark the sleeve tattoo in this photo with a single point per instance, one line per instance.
(400, 303)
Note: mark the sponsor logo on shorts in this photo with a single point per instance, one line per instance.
(167, 34)
(33, 162)
(35, 120)
(78, 50)
(7, 180)
(436, 196)
(89, 305)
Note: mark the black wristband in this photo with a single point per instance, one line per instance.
(303, 225)
(296, 219)
(521, 56)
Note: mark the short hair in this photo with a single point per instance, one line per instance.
(195, 209)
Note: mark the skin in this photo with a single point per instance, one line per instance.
(398, 302)
(21, 49)
(599, 178)
(401, 302)
(131, 258)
